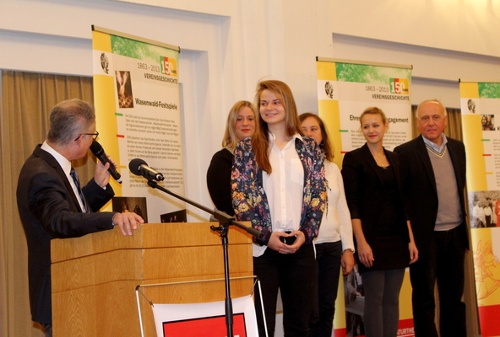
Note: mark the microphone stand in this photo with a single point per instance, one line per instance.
(224, 222)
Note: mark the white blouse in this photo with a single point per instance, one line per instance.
(336, 222)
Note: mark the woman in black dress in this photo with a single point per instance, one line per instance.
(383, 236)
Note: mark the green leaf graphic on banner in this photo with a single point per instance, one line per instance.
(134, 49)
(361, 73)
(347, 72)
(489, 89)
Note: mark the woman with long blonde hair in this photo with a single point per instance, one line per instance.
(240, 124)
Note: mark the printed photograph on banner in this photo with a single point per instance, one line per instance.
(124, 89)
(177, 216)
(131, 204)
(488, 123)
(484, 207)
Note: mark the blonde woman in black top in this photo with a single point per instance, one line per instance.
(240, 124)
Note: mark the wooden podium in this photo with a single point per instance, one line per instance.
(94, 277)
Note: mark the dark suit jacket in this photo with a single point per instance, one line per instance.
(363, 184)
(49, 209)
(420, 188)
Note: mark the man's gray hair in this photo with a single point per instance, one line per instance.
(69, 119)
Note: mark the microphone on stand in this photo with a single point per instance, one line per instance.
(140, 168)
(99, 153)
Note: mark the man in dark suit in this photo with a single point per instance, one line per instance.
(52, 204)
(433, 170)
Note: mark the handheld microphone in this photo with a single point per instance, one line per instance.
(140, 168)
(99, 153)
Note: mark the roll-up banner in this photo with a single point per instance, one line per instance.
(480, 110)
(345, 90)
(136, 97)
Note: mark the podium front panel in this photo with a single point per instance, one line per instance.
(94, 277)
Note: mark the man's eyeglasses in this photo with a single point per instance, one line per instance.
(94, 135)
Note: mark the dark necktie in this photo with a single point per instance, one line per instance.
(74, 175)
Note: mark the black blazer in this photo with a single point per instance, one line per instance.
(363, 183)
(219, 180)
(420, 188)
(49, 209)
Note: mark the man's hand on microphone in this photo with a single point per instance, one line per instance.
(101, 174)
(127, 222)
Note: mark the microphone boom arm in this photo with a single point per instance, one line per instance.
(220, 216)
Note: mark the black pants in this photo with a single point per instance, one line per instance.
(443, 263)
(328, 257)
(294, 275)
